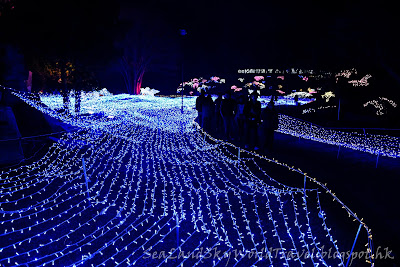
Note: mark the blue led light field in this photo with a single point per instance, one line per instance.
(140, 184)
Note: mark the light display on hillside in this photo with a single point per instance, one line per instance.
(140, 184)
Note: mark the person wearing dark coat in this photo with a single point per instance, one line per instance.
(270, 124)
(296, 100)
(207, 113)
(228, 114)
(252, 112)
(218, 117)
(199, 106)
(240, 117)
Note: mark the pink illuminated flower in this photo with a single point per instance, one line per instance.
(258, 78)
(362, 82)
(214, 78)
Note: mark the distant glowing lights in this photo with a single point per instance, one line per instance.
(346, 73)
(380, 104)
(328, 95)
(362, 82)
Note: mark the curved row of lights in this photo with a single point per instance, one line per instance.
(383, 145)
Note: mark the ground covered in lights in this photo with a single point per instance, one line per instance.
(139, 184)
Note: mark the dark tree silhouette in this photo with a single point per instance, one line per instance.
(53, 72)
(6, 6)
(78, 32)
(148, 44)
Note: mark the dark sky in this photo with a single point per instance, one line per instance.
(228, 35)
(224, 36)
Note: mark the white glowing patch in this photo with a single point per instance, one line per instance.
(148, 91)
(300, 94)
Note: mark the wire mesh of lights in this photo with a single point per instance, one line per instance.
(156, 192)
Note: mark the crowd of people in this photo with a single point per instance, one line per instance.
(238, 118)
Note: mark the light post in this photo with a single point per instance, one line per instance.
(182, 33)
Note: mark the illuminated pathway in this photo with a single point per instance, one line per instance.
(160, 192)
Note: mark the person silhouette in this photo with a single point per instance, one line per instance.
(270, 123)
(252, 112)
(228, 113)
(199, 106)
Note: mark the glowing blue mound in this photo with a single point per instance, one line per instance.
(157, 193)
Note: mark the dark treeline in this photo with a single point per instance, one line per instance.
(85, 44)
(117, 40)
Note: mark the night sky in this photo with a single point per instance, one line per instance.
(285, 32)
(221, 36)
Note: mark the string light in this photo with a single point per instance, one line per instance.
(362, 82)
(383, 145)
(379, 104)
(346, 73)
(310, 110)
(156, 181)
